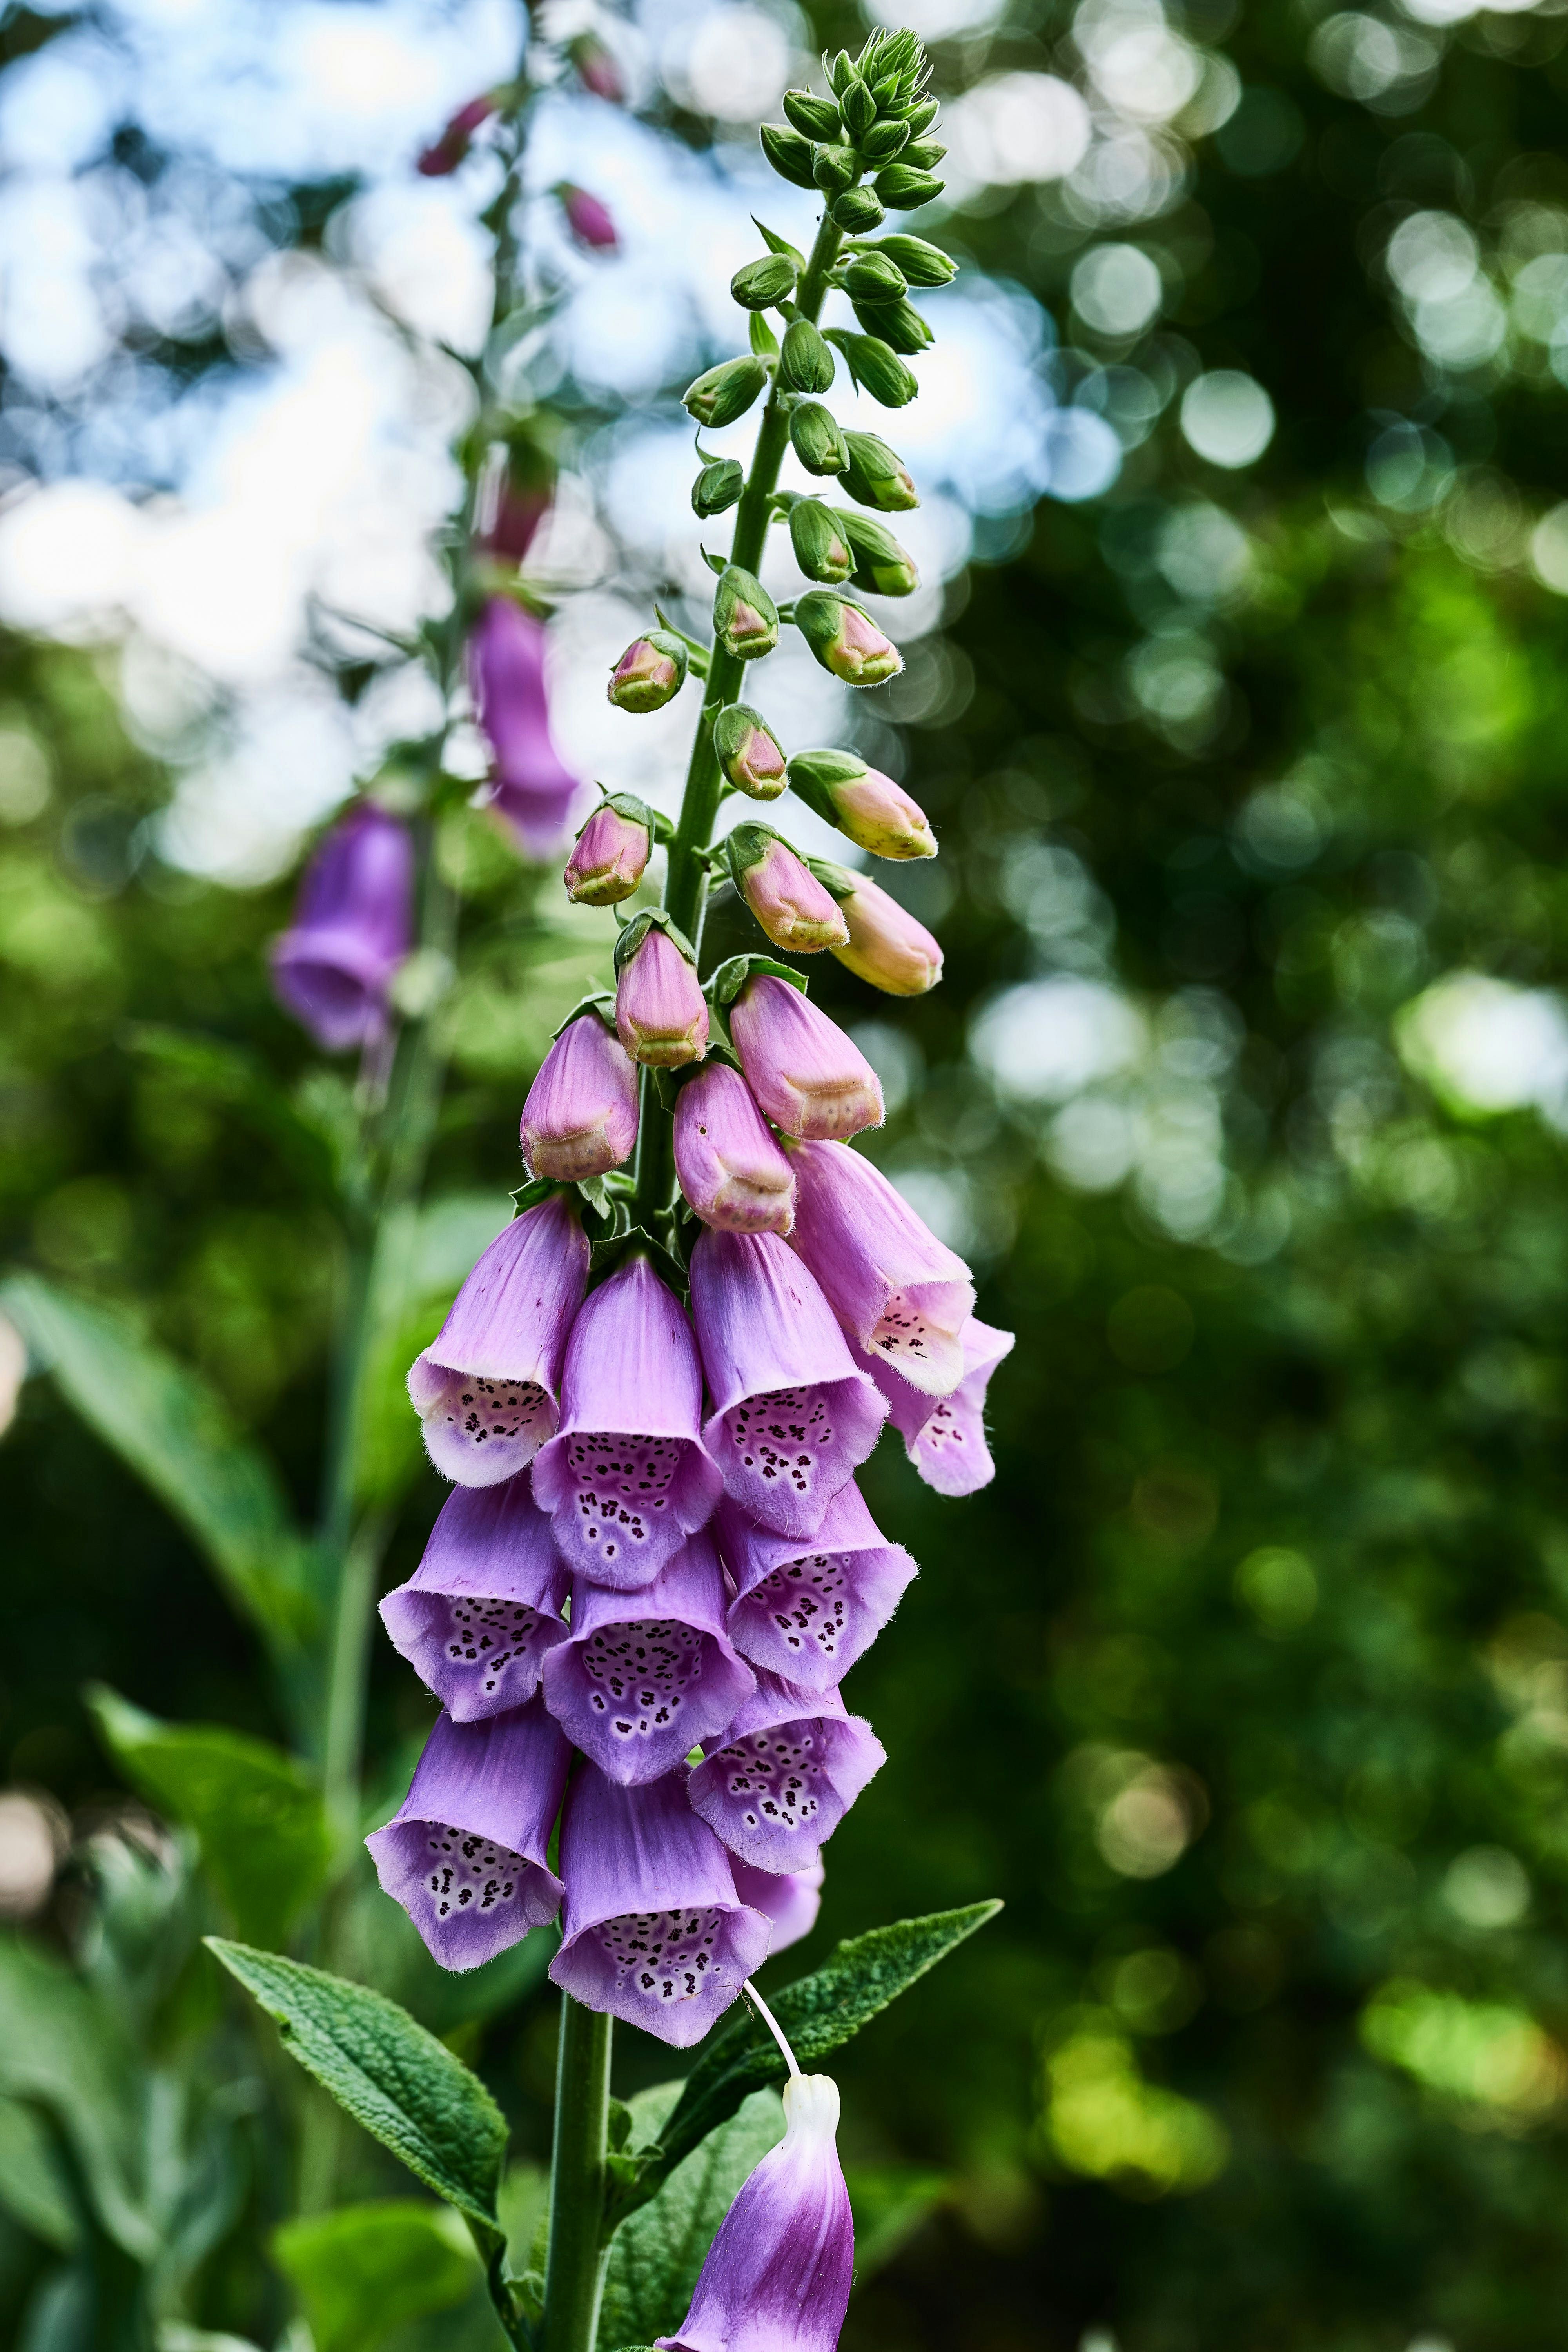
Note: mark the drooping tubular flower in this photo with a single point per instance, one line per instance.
(465, 1852)
(946, 1440)
(806, 1608)
(648, 1675)
(887, 946)
(778, 2272)
(794, 1417)
(486, 1387)
(787, 899)
(902, 1294)
(535, 791)
(581, 1116)
(352, 927)
(654, 1930)
(777, 1783)
(790, 1904)
(629, 1478)
(731, 1170)
(804, 1073)
(661, 1015)
(486, 1602)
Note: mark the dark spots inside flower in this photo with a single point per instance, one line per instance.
(479, 1636)
(482, 1410)
(470, 1872)
(807, 1602)
(669, 1954)
(775, 1779)
(637, 1675)
(781, 1437)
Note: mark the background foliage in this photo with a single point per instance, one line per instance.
(1246, 1683)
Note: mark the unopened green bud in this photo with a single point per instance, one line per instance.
(881, 565)
(899, 324)
(822, 547)
(901, 187)
(923, 155)
(875, 276)
(816, 118)
(835, 169)
(877, 475)
(717, 485)
(883, 141)
(789, 153)
(805, 363)
(745, 618)
(857, 107)
(841, 72)
(650, 671)
(817, 438)
(920, 118)
(725, 392)
(845, 639)
(748, 753)
(872, 362)
(858, 211)
(764, 283)
(922, 264)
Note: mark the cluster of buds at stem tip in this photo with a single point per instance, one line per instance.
(875, 812)
(885, 945)
(612, 851)
(650, 672)
(789, 902)
(662, 1015)
(749, 754)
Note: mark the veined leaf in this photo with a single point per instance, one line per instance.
(360, 2270)
(167, 1425)
(817, 2013)
(398, 2081)
(656, 2255)
(258, 1814)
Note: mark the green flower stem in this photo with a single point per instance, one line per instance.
(685, 882)
(575, 2270)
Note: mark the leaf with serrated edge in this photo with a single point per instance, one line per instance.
(816, 2014)
(399, 2082)
(656, 2255)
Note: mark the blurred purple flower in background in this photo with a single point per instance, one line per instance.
(352, 927)
(535, 791)
(588, 220)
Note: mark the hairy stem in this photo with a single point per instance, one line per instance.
(574, 2270)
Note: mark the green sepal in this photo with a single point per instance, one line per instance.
(723, 986)
(765, 343)
(836, 880)
(923, 155)
(698, 655)
(602, 1003)
(746, 845)
(899, 324)
(777, 244)
(717, 564)
(647, 919)
(920, 118)
(790, 154)
(871, 275)
(719, 395)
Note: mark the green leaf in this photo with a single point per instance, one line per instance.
(398, 2081)
(228, 1076)
(169, 1427)
(889, 2203)
(655, 2255)
(361, 2269)
(817, 2013)
(723, 986)
(777, 244)
(66, 2055)
(34, 2188)
(258, 1814)
(765, 343)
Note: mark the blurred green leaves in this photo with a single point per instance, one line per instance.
(361, 2269)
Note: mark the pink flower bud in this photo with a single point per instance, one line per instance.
(790, 904)
(846, 640)
(661, 1017)
(587, 218)
(648, 673)
(749, 754)
(803, 1072)
(886, 945)
(868, 806)
(581, 1116)
(453, 144)
(608, 861)
(597, 69)
(731, 1170)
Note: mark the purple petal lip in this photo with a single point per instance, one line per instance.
(794, 1416)
(791, 1902)
(486, 1387)
(654, 1931)
(807, 1610)
(945, 1437)
(778, 2274)
(898, 1290)
(465, 1853)
(627, 1479)
(486, 1602)
(648, 1675)
(776, 1785)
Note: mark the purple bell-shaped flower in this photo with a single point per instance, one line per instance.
(351, 930)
